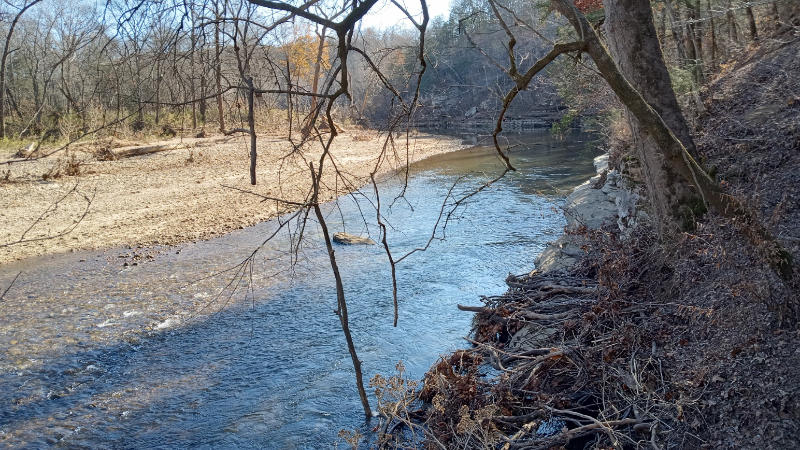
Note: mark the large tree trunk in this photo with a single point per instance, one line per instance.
(635, 47)
(676, 184)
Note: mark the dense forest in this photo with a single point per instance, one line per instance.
(68, 72)
(665, 315)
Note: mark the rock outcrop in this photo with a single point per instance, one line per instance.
(601, 202)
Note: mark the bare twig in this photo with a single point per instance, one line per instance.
(3, 295)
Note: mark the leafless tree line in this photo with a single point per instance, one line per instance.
(70, 68)
(165, 66)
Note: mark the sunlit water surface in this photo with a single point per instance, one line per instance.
(98, 354)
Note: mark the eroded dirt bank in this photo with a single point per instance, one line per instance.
(621, 340)
(178, 195)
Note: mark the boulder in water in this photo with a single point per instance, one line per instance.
(351, 239)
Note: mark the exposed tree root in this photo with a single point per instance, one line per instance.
(560, 359)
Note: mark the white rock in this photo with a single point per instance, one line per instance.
(171, 322)
(590, 207)
(601, 163)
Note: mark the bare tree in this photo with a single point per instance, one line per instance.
(6, 50)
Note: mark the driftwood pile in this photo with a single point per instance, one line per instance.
(561, 359)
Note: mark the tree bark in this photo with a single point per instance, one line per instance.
(251, 123)
(676, 184)
(635, 47)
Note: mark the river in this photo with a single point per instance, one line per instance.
(99, 352)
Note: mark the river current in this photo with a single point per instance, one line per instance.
(179, 351)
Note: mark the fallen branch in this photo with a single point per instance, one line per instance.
(237, 130)
(127, 152)
(538, 316)
(576, 432)
(475, 309)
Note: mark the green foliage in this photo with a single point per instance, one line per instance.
(562, 126)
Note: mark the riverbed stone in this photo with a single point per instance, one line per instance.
(351, 239)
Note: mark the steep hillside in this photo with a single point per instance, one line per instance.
(687, 344)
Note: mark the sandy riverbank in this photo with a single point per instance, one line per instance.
(179, 195)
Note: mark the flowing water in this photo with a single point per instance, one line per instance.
(174, 351)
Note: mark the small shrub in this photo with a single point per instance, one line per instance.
(561, 127)
(72, 167)
(167, 131)
(352, 438)
(138, 125)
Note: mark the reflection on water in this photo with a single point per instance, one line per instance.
(102, 354)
